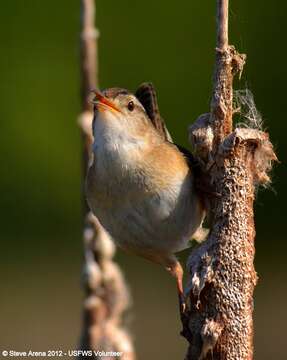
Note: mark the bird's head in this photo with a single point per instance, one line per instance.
(119, 112)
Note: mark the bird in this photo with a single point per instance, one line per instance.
(140, 185)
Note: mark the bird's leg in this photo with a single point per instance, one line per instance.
(175, 268)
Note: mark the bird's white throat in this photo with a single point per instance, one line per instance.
(115, 143)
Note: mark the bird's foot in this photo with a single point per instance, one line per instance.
(182, 304)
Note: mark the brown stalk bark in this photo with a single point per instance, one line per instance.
(219, 324)
(105, 293)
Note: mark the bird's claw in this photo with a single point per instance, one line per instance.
(182, 305)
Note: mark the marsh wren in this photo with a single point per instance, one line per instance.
(141, 185)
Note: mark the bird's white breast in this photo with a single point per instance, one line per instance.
(126, 196)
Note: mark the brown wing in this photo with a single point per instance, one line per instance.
(147, 96)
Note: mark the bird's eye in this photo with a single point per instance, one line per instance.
(131, 106)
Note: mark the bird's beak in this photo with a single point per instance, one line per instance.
(102, 103)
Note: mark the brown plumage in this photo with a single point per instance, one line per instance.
(141, 185)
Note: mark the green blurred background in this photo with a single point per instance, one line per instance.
(172, 45)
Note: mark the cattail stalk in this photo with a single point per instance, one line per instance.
(219, 324)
